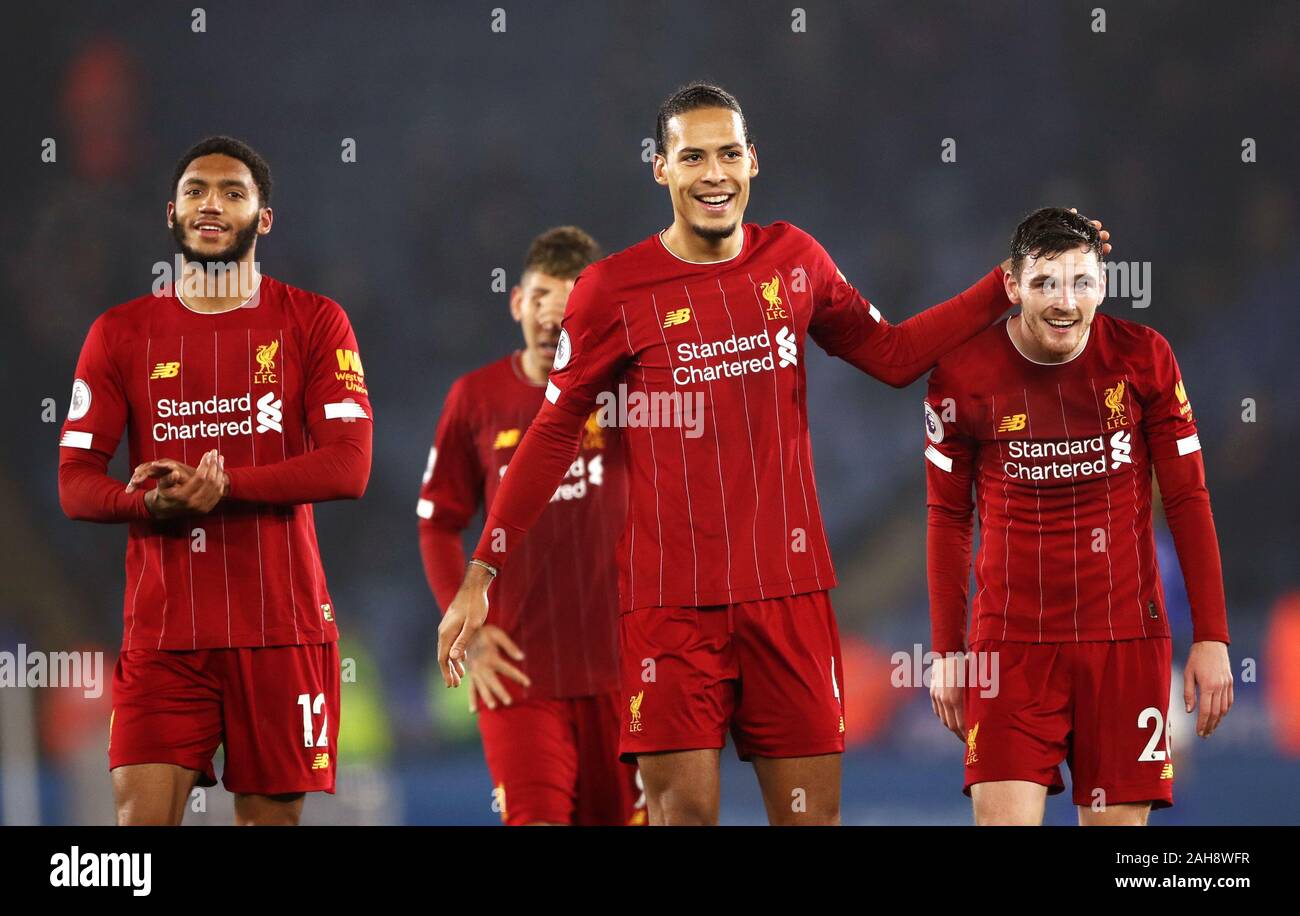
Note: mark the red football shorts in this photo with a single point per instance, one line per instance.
(1102, 707)
(274, 709)
(556, 762)
(768, 671)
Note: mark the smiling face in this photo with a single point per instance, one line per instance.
(216, 216)
(706, 167)
(537, 303)
(1058, 295)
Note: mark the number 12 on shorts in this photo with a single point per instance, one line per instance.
(310, 708)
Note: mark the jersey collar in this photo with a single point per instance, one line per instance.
(251, 298)
(744, 243)
(1087, 336)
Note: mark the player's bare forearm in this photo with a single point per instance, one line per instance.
(465, 616)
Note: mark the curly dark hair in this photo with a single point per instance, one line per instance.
(235, 149)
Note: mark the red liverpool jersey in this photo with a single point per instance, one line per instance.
(252, 382)
(704, 366)
(558, 599)
(1060, 457)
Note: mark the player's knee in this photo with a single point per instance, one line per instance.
(1115, 816)
(132, 814)
(813, 817)
(687, 809)
(267, 820)
(268, 810)
(1007, 819)
(144, 799)
(686, 816)
(1008, 813)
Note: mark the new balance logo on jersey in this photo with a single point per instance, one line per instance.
(268, 413)
(1121, 448)
(165, 370)
(1012, 424)
(507, 438)
(677, 316)
(786, 348)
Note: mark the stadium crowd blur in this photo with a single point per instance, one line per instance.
(469, 142)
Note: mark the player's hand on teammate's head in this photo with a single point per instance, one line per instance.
(490, 653)
(1209, 671)
(1105, 236)
(1105, 242)
(946, 692)
(465, 616)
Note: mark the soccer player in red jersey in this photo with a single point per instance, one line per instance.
(544, 675)
(244, 401)
(1055, 419)
(724, 566)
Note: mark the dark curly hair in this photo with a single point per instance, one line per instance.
(235, 149)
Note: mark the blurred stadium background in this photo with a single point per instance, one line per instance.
(469, 142)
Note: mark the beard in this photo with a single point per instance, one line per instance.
(710, 234)
(237, 248)
(1051, 342)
